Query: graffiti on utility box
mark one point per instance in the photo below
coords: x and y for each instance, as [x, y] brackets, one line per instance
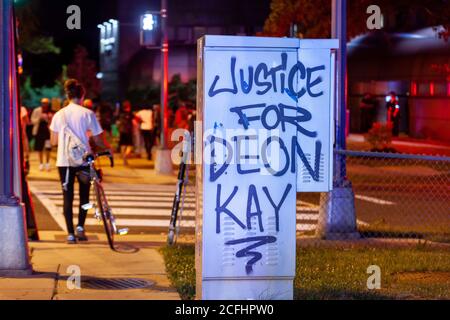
[265, 131]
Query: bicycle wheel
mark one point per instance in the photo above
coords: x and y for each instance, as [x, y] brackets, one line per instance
[105, 213]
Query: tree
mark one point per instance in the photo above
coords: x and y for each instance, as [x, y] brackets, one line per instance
[313, 17]
[30, 39]
[84, 70]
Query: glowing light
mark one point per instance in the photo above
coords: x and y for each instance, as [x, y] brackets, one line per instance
[388, 98]
[148, 22]
[99, 75]
[431, 88]
[414, 88]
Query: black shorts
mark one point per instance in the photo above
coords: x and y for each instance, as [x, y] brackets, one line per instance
[126, 139]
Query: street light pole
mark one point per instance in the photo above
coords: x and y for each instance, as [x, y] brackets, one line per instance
[339, 31]
[163, 163]
[14, 259]
[164, 73]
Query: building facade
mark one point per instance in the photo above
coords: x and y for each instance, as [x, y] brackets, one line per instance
[416, 66]
[127, 66]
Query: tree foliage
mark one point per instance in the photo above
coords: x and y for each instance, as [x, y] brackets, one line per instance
[30, 39]
[313, 17]
[31, 96]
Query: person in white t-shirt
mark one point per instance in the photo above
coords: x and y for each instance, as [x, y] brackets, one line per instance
[84, 124]
[145, 117]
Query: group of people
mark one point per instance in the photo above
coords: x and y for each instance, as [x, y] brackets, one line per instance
[135, 129]
[92, 125]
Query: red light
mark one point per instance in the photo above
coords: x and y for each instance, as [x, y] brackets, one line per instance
[431, 88]
[448, 89]
[414, 88]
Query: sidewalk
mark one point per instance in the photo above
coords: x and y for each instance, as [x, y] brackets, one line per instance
[403, 145]
[139, 171]
[54, 261]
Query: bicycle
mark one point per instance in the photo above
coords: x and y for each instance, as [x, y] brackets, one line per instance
[102, 209]
[180, 193]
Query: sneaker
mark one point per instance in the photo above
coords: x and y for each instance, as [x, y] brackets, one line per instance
[41, 167]
[81, 235]
[71, 239]
[48, 167]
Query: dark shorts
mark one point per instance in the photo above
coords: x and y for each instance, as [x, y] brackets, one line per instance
[39, 144]
[125, 139]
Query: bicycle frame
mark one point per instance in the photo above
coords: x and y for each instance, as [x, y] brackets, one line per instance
[102, 209]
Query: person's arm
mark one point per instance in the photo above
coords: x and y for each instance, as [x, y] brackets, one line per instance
[35, 116]
[101, 143]
[98, 135]
[53, 138]
[54, 129]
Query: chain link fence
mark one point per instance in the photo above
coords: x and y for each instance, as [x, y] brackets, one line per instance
[394, 196]
[399, 196]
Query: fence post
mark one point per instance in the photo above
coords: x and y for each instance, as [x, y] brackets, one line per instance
[13, 240]
[337, 216]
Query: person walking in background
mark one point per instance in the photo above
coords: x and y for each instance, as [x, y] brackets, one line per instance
[145, 117]
[106, 116]
[82, 123]
[41, 118]
[181, 117]
[393, 112]
[87, 103]
[125, 125]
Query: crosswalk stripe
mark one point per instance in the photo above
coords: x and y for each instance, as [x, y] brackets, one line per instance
[148, 206]
[186, 213]
[134, 204]
[143, 223]
[148, 203]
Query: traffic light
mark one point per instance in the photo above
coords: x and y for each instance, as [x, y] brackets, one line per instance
[150, 30]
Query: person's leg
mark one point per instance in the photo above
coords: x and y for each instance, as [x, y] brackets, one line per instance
[84, 198]
[41, 157]
[146, 136]
[151, 140]
[47, 159]
[123, 152]
[67, 196]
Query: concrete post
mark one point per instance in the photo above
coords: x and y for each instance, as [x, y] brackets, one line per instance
[14, 259]
[337, 216]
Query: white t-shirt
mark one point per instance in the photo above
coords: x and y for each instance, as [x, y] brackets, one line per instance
[146, 116]
[81, 121]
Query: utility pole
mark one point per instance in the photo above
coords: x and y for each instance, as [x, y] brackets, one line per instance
[337, 216]
[14, 259]
[163, 163]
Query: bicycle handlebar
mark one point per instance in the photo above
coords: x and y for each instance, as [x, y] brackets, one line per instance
[91, 157]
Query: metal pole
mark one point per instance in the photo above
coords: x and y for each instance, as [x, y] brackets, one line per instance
[337, 216]
[163, 163]
[339, 31]
[7, 195]
[14, 259]
[164, 74]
